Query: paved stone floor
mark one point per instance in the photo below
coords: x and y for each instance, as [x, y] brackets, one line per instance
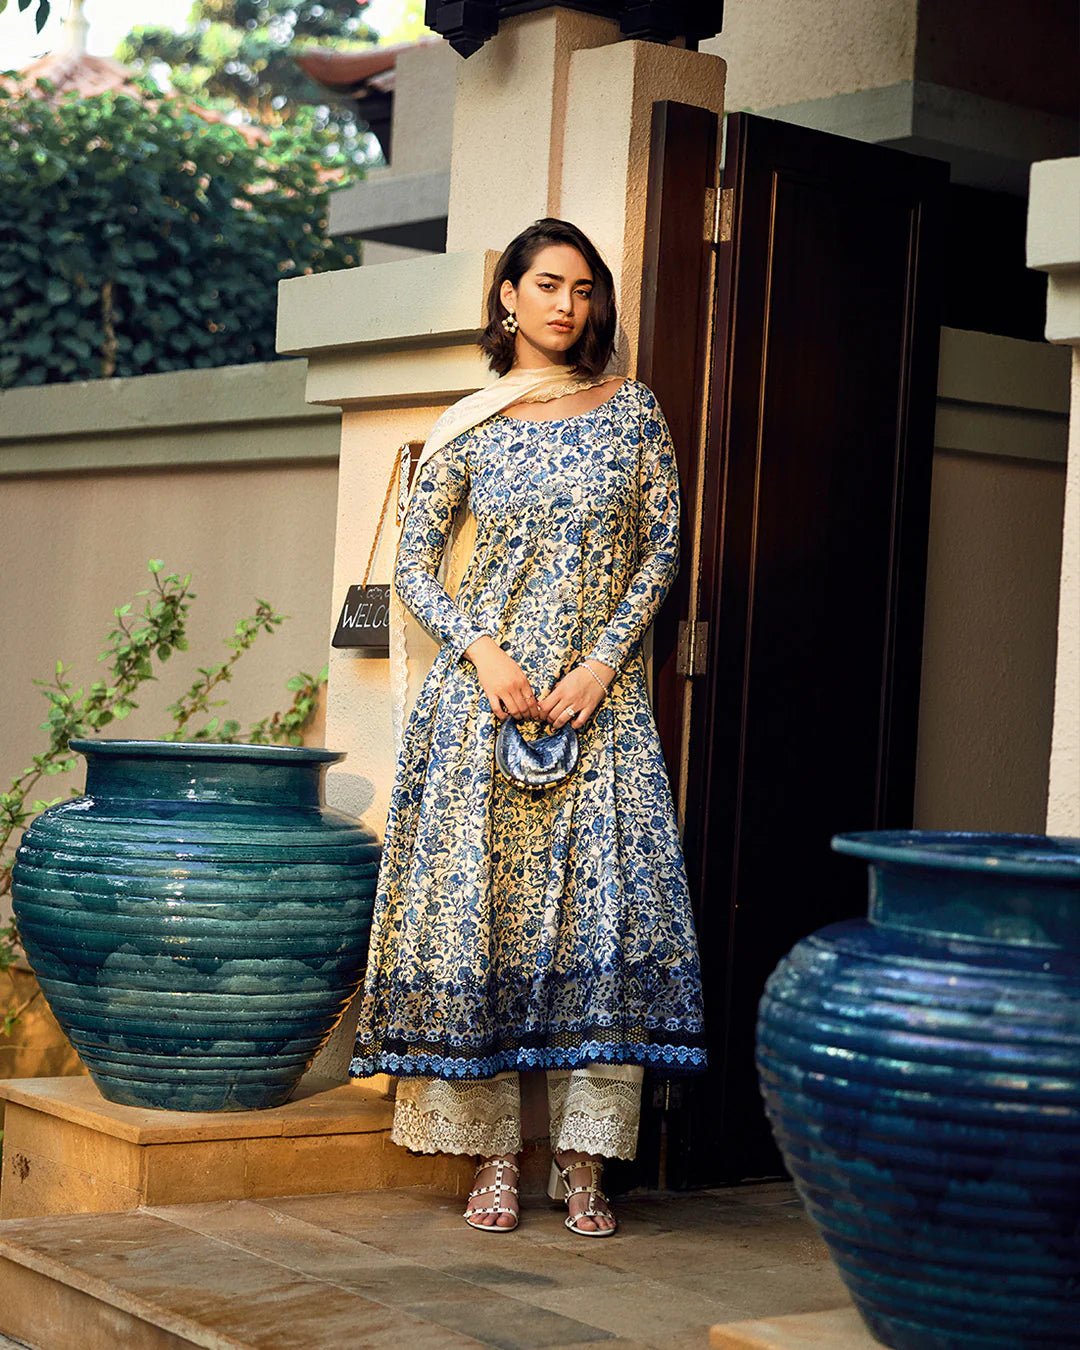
[362, 1271]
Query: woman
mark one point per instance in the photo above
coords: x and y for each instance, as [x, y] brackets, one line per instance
[515, 928]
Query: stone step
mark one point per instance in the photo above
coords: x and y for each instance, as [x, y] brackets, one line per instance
[147, 1280]
[369, 1271]
[69, 1151]
[834, 1329]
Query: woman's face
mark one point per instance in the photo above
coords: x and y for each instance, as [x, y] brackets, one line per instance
[551, 303]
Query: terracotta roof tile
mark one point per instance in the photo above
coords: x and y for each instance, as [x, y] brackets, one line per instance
[345, 70]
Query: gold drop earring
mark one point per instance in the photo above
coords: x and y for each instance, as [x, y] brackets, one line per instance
[510, 323]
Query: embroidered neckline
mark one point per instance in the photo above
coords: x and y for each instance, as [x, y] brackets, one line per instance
[558, 421]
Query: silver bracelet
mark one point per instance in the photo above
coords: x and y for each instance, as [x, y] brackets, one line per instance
[596, 677]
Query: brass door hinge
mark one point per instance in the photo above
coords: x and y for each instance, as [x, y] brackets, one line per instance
[691, 654]
[719, 205]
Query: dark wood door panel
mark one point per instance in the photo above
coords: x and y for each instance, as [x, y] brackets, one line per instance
[676, 319]
[813, 561]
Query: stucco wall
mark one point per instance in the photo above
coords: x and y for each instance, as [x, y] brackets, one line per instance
[990, 633]
[425, 77]
[784, 51]
[990, 637]
[243, 496]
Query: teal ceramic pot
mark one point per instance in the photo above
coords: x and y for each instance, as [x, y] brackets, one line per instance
[921, 1072]
[198, 920]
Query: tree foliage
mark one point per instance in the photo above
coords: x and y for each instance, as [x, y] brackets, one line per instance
[137, 237]
[242, 53]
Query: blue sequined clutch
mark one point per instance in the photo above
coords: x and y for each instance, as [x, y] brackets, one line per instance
[536, 764]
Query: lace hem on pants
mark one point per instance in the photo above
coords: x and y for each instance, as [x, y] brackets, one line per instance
[470, 1115]
[596, 1109]
[592, 1110]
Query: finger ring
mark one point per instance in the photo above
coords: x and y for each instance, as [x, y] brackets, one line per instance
[569, 712]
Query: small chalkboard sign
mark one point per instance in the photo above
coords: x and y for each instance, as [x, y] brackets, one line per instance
[365, 618]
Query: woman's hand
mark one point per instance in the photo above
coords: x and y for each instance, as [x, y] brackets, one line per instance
[578, 690]
[502, 679]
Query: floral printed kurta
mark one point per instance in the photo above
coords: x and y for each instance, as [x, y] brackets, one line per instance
[519, 928]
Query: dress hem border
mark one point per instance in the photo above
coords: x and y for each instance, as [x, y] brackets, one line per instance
[674, 1058]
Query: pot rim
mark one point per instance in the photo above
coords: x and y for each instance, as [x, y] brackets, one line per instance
[988, 852]
[239, 752]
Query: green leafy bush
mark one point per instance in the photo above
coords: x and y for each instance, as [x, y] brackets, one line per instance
[132, 648]
[136, 236]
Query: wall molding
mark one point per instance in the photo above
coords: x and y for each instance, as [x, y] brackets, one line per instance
[1002, 396]
[988, 143]
[235, 415]
[996, 396]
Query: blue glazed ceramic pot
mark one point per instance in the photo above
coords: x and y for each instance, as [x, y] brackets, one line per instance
[198, 920]
[921, 1072]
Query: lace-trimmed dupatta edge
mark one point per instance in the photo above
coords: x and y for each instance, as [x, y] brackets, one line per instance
[412, 648]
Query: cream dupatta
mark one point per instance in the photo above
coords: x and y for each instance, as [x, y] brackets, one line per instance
[412, 648]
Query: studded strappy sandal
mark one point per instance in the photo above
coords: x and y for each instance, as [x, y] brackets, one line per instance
[560, 1179]
[497, 1188]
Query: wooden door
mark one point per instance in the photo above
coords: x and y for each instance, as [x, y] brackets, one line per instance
[790, 333]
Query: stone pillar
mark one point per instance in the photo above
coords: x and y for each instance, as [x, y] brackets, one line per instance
[552, 117]
[510, 123]
[1053, 246]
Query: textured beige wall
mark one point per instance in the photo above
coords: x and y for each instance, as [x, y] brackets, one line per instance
[610, 95]
[425, 76]
[990, 635]
[510, 116]
[358, 706]
[784, 51]
[76, 545]
[787, 51]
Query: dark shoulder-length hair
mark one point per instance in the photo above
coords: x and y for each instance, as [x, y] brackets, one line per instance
[592, 351]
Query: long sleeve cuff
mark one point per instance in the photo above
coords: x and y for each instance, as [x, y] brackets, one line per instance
[464, 636]
[611, 653]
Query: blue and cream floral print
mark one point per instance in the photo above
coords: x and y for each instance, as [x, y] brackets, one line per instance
[547, 929]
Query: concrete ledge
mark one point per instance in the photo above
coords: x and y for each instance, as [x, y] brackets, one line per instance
[1002, 396]
[1053, 235]
[233, 414]
[69, 1151]
[428, 377]
[405, 303]
[392, 208]
[1053, 243]
[988, 142]
[837, 1329]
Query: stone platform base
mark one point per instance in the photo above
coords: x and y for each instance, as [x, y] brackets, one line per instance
[837, 1329]
[399, 1270]
[69, 1151]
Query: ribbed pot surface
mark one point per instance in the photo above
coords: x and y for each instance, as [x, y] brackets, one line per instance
[921, 1073]
[198, 920]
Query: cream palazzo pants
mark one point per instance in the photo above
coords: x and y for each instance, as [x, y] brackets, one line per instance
[592, 1110]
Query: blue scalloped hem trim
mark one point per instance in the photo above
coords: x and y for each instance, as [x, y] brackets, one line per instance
[674, 1058]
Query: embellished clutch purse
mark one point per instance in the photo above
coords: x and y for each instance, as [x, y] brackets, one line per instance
[536, 764]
